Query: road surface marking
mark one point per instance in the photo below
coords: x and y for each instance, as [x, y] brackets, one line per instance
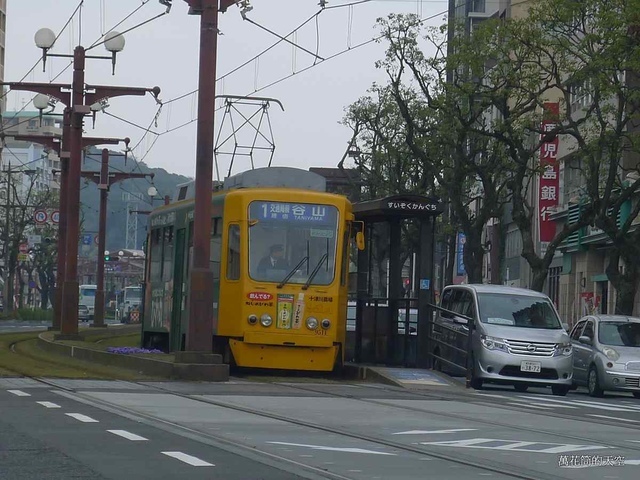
[511, 445]
[19, 393]
[128, 435]
[631, 462]
[82, 418]
[333, 449]
[543, 405]
[49, 404]
[528, 405]
[490, 395]
[613, 418]
[183, 457]
[426, 432]
[582, 403]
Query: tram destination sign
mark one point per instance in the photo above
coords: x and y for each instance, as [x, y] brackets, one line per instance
[294, 212]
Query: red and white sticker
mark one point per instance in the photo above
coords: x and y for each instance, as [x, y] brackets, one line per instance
[259, 296]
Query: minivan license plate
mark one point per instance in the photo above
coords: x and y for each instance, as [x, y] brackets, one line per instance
[530, 367]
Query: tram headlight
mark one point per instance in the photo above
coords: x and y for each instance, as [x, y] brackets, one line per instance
[266, 320]
[252, 319]
[326, 323]
[312, 323]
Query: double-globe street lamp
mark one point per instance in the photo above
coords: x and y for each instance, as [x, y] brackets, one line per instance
[78, 98]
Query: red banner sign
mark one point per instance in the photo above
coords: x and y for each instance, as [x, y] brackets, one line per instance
[549, 191]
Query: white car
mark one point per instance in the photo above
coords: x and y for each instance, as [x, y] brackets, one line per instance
[607, 354]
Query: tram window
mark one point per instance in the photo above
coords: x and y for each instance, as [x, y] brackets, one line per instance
[167, 271]
[233, 253]
[216, 246]
[156, 255]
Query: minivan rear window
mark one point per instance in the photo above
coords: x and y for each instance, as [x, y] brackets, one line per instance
[517, 311]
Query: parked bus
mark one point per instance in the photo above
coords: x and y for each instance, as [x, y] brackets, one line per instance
[279, 254]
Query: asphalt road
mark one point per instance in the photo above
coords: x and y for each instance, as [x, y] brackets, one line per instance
[255, 430]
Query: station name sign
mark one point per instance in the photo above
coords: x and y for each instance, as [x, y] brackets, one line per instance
[411, 206]
[163, 219]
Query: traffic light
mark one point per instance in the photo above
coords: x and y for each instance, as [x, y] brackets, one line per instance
[111, 258]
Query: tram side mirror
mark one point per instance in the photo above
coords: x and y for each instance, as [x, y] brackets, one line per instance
[360, 240]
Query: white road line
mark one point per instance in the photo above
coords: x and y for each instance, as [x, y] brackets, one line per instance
[582, 403]
[528, 405]
[490, 395]
[128, 435]
[631, 462]
[543, 405]
[82, 418]
[191, 460]
[613, 418]
[334, 449]
[19, 393]
[426, 432]
[49, 404]
[516, 446]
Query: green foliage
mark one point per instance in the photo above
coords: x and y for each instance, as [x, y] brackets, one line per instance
[33, 314]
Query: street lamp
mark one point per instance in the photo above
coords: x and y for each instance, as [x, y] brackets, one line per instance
[114, 43]
[45, 38]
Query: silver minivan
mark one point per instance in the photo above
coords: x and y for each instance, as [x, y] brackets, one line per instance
[517, 337]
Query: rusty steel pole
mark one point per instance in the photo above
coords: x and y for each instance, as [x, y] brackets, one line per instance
[70, 293]
[103, 186]
[62, 220]
[200, 328]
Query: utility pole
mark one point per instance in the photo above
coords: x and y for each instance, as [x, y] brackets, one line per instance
[104, 180]
[80, 98]
[200, 329]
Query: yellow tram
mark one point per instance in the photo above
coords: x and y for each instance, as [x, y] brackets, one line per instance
[280, 255]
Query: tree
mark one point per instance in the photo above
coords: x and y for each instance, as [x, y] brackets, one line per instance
[595, 46]
[439, 122]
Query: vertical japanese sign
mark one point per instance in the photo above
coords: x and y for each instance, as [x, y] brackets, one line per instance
[550, 178]
[460, 254]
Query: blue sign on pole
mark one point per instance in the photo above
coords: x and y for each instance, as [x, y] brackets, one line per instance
[460, 253]
[87, 238]
[425, 283]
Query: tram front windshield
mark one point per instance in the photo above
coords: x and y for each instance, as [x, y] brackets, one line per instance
[292, 242]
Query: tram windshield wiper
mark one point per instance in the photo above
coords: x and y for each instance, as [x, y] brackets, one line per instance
[315, 271]
[294, 270]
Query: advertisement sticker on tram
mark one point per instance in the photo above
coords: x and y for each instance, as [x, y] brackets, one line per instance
[285, 311]
[298, 312]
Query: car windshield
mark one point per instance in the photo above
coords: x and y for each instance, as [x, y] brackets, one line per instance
[619, 334]
[88, 292]
[517, 311]
[133, 294]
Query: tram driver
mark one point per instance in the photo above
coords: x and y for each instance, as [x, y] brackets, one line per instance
[273, 261]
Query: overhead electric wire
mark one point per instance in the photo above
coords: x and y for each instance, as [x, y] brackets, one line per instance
[144, 2]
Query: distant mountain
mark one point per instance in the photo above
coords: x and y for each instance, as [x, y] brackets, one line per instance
[132, 193]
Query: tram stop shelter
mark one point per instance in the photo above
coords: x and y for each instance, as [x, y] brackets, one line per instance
[392, 324]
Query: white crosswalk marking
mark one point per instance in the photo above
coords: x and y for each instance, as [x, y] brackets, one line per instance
[514, 446]
[538, 407]
[49, 404]
[19, 393]
[545, 406]
[191, 460]
[582, 403]
[82, 418]
[128, 435]
[612, 418]
[425, 432]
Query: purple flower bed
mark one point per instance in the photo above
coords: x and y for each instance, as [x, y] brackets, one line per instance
[130, 350]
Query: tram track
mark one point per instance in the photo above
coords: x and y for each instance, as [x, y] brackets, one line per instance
[483, 465]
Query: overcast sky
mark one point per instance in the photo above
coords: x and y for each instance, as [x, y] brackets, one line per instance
[165, 53]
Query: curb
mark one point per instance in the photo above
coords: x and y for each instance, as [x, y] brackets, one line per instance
[210, 372]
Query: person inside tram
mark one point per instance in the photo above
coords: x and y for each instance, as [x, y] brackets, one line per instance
[273, 261]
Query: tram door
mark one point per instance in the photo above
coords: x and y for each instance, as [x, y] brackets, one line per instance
[178, 291]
